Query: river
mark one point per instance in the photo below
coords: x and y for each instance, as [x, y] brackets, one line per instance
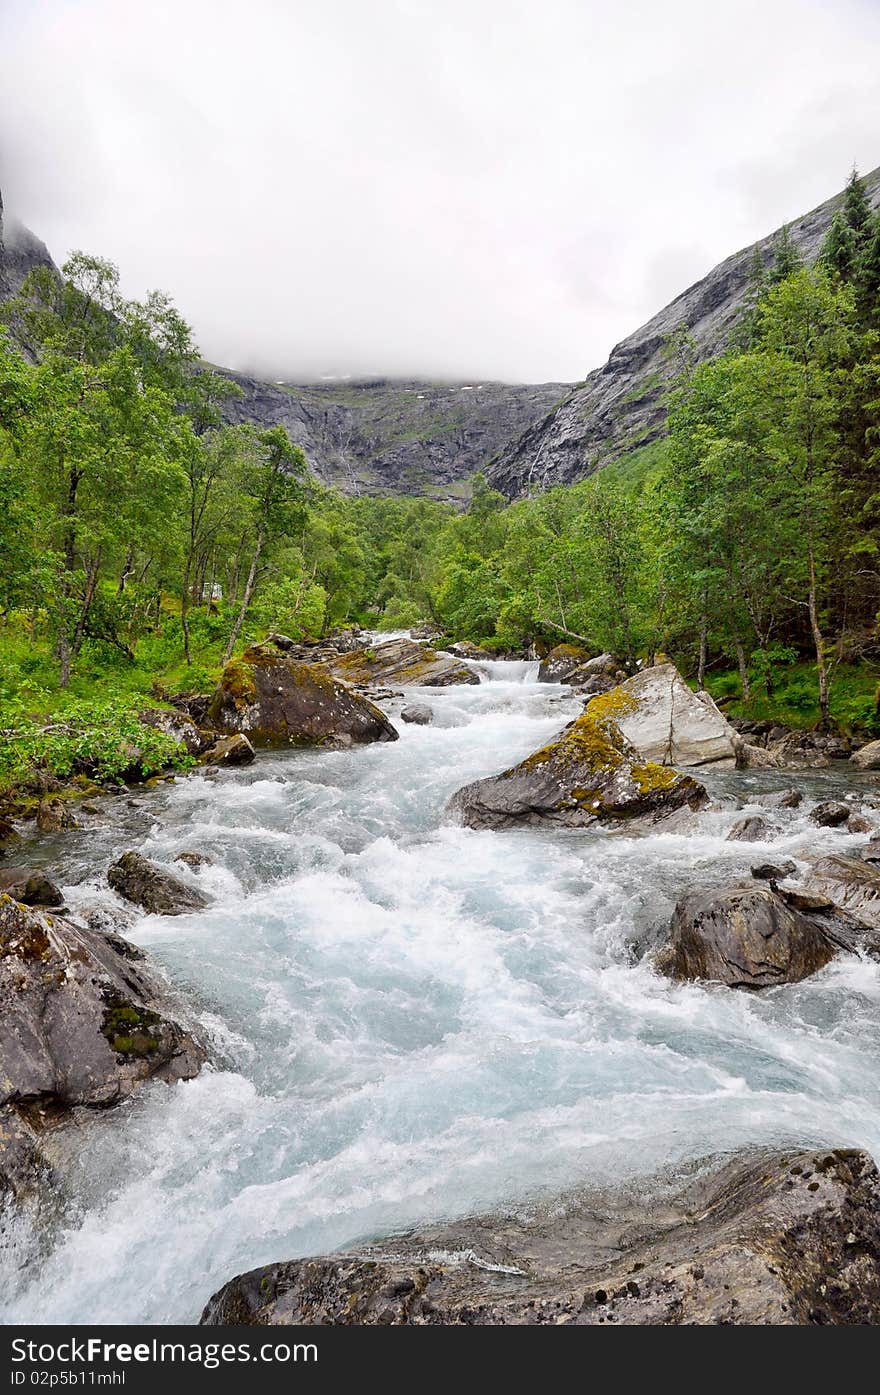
[415, 1021]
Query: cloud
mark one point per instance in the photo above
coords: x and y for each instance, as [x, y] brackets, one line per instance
[483, 189]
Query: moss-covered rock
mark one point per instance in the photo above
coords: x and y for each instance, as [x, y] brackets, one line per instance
[405, 662]
[275, 700]
[590, 773]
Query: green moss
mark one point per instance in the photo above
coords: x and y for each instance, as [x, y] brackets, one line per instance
[127, 1028]
[238, 680]
[594, 741]
[651, 778]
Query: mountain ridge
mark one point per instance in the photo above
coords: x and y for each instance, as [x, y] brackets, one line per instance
[619, 406]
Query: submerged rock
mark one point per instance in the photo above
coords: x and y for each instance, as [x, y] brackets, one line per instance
[275, 701]
[417, 714]
[769, 1238]
[668, 723]
[136, 879]
[752, 936]
[402, 661]
[852, 882]
[752, 829]
[590, 773]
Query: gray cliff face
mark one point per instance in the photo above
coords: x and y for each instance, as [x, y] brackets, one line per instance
[620, 407]
[390, 436]
[20, 253]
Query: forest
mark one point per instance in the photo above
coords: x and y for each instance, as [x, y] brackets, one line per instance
[142, 539]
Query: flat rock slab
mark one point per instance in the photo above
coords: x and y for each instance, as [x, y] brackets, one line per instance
[405, 662]
[779, 1238]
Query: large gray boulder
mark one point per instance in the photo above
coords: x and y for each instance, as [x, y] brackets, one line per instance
[867, 757]
[133, 877]
[83, 1023]
[668, 723]
[403, 662]
[769, 1238]
[851, 882]
[588, 774]
[275, 700]
[754, 936]
[562, 661]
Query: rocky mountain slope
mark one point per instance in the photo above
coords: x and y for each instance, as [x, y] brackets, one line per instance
[620, 407]
[386, 436]
[20, 252]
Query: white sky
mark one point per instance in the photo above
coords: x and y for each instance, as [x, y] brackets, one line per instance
[468, 188]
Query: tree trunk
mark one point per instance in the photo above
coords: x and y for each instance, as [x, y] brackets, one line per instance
[743, 669]
[89, 596]
[701, 665]
[816, 631]
[126, 571]
[245, 601]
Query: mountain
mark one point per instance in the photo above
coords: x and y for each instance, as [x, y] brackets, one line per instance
[387, 436]
[20, 252]
[620, 407]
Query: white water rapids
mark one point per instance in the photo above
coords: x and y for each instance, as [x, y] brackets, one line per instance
[416, 1021]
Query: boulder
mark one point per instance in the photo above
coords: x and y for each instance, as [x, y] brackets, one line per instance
[867, 757]
[831, 814]
[465, 649]
[178, 725]
[231, 750]
[30, 886]
[773, 871]
[767, 1238]
[857, 823]
[871, 851]
[193, 859]
[418, 714]
[590, 773]
[851, 882]
[405, 662]
[562, 661]
[751, 936]
[53, 816]
[277, 701]
[749, 757]
[671, 725]
[752, 829]
[136, 879]
[778, 799]
[797, 750]
[83, 1024]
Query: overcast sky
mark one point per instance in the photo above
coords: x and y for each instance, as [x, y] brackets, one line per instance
[466, 188]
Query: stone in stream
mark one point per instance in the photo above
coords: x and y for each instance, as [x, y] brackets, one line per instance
[752, 829]
[136, 879]
[871, 851]
[278, 701]
[562, 661]
[231, 750]
[83, 1023]
[590, 773]
[767, 1238]
[857, 823]
[668, 723]
[752, 936]
[417, 714]
[852, 882]
[779, 799]
[831, 814]
[402, 661]
[30, 886]
[180, 727]
[773, 871]
[867, 757]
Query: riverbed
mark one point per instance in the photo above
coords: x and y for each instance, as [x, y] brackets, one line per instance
[413, 1021]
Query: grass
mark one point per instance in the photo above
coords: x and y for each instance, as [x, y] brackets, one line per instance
[794, 701]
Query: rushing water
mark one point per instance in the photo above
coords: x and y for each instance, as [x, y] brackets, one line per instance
[415, 1020]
